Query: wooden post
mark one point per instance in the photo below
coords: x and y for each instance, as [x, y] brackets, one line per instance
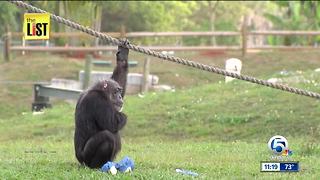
[7, 44]
[122, 32]
[212, 15]
[22, 37]
[87, 71]
[47, 44]
[244, 36]
[23, 45]
[146, 70]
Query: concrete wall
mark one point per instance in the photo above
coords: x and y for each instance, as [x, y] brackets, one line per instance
[134, 80]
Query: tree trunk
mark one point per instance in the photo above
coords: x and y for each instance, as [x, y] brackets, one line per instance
[97, 21]
[212, 6]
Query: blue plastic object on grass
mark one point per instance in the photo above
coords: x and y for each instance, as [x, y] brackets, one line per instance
[126, 164]
[107, 166]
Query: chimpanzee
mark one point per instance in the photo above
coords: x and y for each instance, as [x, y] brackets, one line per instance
[98, 116]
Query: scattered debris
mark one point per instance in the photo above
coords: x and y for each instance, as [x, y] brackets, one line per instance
[284, 73]
[37, 112]
[186, 172]
[168, 52]
[162, 88]
[274, 80]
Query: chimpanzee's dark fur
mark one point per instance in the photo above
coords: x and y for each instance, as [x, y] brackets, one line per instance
[98, 118]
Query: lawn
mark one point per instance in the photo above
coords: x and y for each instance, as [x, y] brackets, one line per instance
[215, 129]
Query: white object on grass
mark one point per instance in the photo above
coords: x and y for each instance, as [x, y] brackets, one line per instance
[37, 113]
[186, 172]
[274, 80]
[113, 170]
[128, 169]
[233, 65]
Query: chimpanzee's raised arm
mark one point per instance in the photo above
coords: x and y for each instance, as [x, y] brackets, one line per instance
[120, 72]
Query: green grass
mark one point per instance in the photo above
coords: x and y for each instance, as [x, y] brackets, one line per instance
[195, 129]
[215, 129]
[155, 159]
[42, 148]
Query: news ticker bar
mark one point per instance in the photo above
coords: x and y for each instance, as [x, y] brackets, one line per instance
[276, 166]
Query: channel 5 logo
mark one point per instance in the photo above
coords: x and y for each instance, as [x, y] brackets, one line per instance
[279, 146]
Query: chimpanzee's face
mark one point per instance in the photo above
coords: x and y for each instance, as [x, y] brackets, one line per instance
[116, 99]
[114, 92]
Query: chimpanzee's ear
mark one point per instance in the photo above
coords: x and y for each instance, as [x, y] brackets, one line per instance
[105, 85]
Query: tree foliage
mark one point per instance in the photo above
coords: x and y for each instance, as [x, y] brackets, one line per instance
[295, 15]
[108, 16]
[8, 16]
[146, 15]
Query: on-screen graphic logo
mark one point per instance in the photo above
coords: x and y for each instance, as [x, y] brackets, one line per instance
[36, 26]
[279, 146]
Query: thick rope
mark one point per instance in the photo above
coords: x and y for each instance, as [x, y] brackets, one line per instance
[204, 67]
